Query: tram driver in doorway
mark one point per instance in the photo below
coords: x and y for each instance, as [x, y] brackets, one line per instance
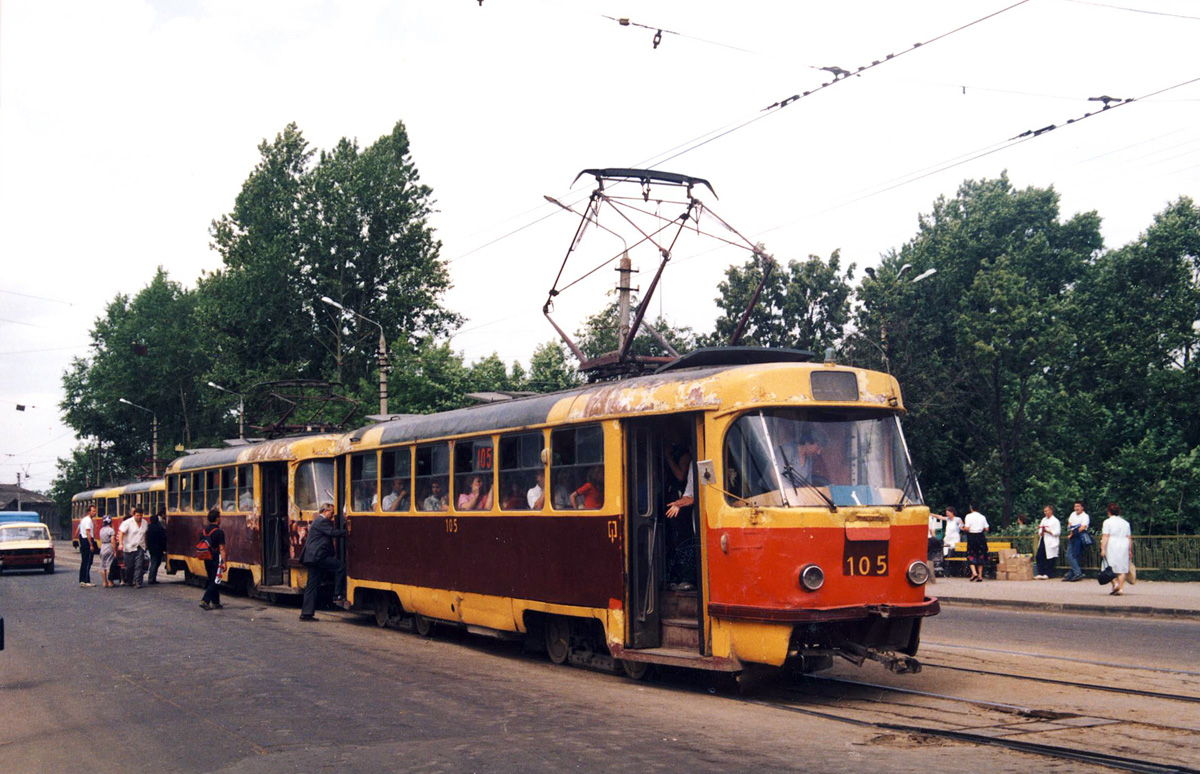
[681, 532]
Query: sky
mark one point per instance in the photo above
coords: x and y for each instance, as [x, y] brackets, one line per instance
[127, 126]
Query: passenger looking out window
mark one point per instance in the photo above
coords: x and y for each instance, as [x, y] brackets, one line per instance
[577, 469]
[397, 470]
[473, 464]
[432, 467]
[521, 470]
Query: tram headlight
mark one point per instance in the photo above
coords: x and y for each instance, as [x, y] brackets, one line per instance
[812, 577]
[918, 573]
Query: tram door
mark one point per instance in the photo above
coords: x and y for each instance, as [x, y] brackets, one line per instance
[273, 479]
[645, 559]
[660, 452]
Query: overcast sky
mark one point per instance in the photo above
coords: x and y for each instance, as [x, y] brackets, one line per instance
[127, 126]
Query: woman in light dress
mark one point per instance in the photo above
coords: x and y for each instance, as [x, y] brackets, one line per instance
[108, 550]
[1116, 544]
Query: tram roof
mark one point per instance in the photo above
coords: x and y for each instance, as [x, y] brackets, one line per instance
[686, 389]
[279, 449]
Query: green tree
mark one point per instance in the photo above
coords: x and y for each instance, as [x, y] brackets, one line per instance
[804, 305]
[149, 351]
[977, 342]
[600, 335]
[552, 368]
[351, 226]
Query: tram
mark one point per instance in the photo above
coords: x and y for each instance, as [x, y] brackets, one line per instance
[266, 492]
[546, 516]
[117, 502]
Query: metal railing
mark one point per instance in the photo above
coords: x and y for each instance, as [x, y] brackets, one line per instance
[1150, 552]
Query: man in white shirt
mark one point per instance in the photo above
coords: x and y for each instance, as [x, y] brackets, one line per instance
[536, 496]
[86, 536]
[1077, 524]
[131, 540]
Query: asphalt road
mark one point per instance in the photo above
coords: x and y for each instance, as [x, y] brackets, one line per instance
[108, 680]
[1154, 642]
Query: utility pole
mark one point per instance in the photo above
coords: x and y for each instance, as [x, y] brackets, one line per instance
[18, 490]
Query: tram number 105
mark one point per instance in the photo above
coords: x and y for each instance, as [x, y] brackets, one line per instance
[865, 558]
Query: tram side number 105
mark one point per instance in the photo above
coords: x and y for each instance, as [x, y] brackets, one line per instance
[865, 558]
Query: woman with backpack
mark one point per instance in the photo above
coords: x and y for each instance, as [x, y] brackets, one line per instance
[212, 544]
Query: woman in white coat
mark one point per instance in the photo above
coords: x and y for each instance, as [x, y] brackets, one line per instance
[1049, 535]
[1116, 544]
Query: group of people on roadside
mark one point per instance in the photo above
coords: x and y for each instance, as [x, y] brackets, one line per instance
[1116, 546]
[138, 542]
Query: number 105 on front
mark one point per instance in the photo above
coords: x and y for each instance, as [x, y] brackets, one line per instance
[868, 558]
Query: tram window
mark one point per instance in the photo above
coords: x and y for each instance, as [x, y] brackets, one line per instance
[433, 477]
[577, 468]
[314, 484]
[212, 488]
[397, 472]
[521, 468]
[228, 489]
[364, 481]
[185, 493]
[474, 461]
[198, 492]
[112, 506]
[245, 488]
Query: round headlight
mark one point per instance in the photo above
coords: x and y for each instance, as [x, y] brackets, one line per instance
[812, 577]
[918, 573]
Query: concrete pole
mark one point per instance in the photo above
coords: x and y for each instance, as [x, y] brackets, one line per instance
[383, 395]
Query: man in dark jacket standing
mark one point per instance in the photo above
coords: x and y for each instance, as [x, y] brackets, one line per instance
[156, 542]
[320, 558]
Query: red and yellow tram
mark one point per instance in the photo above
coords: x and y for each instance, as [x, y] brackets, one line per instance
[547, 516]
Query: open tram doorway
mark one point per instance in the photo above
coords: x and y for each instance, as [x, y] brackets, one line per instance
[274, 482]
[663, 552]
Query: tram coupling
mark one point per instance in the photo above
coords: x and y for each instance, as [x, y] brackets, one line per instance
[857, 654]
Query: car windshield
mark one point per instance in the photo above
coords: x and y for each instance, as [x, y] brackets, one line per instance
[818, 457]
[24, 532]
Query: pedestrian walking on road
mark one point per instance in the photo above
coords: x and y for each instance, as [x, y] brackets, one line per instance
[1078, 539]
[321, 559]
[108, 550]
[214, 565]
[1116, 544]
[156, 542]
[977, 528]
[87, 541]
[131, 541]
[1049, 535]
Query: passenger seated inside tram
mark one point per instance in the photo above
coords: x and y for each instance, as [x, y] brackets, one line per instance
[397, 498]
[363, 496]
[536, 496]
[477, 497]
[514, 500]
[591, 495]
[437, 499]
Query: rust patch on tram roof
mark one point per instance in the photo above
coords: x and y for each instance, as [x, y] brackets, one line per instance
[646, 396]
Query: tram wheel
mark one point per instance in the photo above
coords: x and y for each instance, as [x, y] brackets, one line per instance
[558, 639]
[386, 609]
[422, 625]
[636, 670]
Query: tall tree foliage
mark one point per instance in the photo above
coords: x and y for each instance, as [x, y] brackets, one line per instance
[350, 225]
[977, 342]
[803, 305]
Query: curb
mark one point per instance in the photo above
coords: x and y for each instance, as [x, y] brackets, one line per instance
[1138, 611]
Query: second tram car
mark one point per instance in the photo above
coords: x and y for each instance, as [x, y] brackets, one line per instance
[267, 492]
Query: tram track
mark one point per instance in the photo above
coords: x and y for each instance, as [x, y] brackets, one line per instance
[1108, 760]
[992, 736]
[1070, 683]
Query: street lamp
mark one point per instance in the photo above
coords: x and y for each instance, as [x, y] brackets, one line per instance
[154, 458]
[883, 320]
[383, 402]
[241, 408]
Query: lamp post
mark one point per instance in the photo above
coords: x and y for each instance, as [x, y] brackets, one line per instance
[154, 452]
[241, 408]
[882, 346]
[383, 396]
